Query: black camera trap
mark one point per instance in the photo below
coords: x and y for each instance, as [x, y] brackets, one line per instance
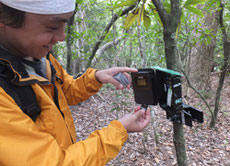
[161, 86]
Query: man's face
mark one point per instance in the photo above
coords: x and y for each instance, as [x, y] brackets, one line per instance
[37, 35]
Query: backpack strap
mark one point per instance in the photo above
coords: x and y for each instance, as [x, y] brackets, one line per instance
[24, 96]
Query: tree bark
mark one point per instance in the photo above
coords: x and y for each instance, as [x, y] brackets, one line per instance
[69, 41]
[80, 28]
[202, 54]
[141, 46]
[170, 23]
[226, 44]
[142, 54]
[108, 45]
[55, 51]
[141, 40]
[128, 60]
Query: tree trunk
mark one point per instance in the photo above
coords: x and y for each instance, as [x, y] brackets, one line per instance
[55, 51]
[202, 55]
[129, 59]
[170, 23]
[69, 41]
[141, 46]
[226, 44]
[80, 28]
[171, 60]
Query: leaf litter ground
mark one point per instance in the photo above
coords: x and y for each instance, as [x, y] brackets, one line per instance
[204, 146]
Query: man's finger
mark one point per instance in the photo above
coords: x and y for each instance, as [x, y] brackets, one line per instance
[124, 69]
[139, 113]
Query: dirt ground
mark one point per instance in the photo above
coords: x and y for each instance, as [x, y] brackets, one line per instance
[204, 146]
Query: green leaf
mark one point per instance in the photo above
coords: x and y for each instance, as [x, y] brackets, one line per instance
[120, 12]
[129, 20]
[152, 6]
[139, 18]
[178, 30]
[147, 20]
[195, 10]
[156, 15]
[140, 15]
[113, 109]
[194, 2]
[125, 3]
[211, 3]
[79, 1]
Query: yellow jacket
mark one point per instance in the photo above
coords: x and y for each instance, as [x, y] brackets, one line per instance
[49, 141]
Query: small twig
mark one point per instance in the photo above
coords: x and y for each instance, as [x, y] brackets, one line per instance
[101, 96]
[94, 99]
[153, 116]
[143, 143]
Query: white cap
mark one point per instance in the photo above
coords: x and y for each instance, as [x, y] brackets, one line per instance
[42, 6]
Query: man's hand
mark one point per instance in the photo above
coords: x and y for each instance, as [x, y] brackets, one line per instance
[106, 75]
[136, 121]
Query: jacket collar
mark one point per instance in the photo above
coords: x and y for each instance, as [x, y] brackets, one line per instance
[21, 76]
[14, 62]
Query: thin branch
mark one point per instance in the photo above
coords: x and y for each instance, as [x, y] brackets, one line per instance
[201, 96]
[108, 45]
[114, 28]
[106, 30]
[161, 11]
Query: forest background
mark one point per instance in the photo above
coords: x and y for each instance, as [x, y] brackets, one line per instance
[189, 36]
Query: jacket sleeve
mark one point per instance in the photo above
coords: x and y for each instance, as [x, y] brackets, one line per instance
[21, 143]
[80, 89]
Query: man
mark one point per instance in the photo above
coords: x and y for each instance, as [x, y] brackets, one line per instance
[28, 31]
